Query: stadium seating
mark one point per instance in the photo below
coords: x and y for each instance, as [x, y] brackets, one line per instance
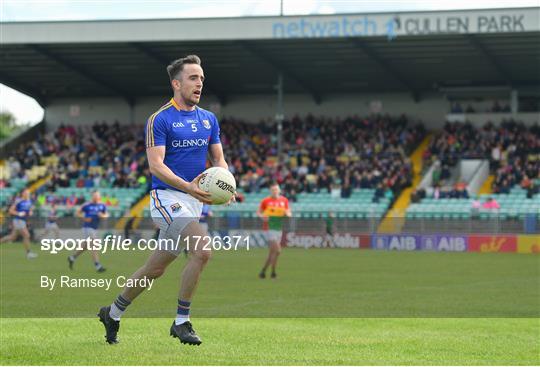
[8, 192]
[315, 205]
[514, 205]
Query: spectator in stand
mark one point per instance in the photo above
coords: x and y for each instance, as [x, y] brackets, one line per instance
[496, 155]
[532, 190]
[324, 182]
[88, 182]
[71, 200]
[445, 173]
[436, 174]
[346, 190]
[437, 192]
[120, 181]
[459, 191]
[525, 182]
[491, 204]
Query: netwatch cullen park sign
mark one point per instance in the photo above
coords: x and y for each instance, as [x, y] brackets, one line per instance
[404, 25]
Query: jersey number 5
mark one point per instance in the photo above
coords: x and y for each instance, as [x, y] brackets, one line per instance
[193, 128]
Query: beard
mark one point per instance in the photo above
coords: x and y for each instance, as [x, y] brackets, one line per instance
[190, 99]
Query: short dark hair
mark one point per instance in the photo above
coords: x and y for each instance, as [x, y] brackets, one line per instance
[177, 65]
[273, 183]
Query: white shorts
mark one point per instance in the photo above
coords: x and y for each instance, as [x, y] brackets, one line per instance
[172, 211]
[19, 224]
[273, 235]
[89, 232]
[52, 226]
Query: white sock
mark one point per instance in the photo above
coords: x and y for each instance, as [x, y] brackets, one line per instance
[180, 319]
[115, 312]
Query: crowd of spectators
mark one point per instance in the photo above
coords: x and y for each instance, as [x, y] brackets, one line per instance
[323, 154]
[98, 156]
[319, 154]
[512, 148]
[519, 171]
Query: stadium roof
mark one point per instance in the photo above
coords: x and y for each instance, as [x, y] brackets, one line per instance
[319, 55]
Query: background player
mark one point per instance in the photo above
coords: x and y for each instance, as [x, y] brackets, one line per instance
[91, 213]
[272, 210]
[51, 225]
[330, 231]
[21, 209]
[179, 137]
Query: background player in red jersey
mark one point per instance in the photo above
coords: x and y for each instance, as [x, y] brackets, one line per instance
[272, 210]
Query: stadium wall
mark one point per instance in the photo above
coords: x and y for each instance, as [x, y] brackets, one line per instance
[432, 109]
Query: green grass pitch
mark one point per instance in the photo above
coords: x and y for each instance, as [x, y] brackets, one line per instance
[328, 306]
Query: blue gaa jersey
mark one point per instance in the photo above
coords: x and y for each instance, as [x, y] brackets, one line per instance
[186, 136]
[91, 210]
[23, 206]
[204, 214]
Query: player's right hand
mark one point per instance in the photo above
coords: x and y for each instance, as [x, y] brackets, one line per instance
[193, 190]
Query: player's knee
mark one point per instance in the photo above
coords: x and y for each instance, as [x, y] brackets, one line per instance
[154, 272]
[203, 255]
[276, 248]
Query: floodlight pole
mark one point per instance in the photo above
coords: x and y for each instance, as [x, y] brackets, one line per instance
[514, 101]
[279, 115]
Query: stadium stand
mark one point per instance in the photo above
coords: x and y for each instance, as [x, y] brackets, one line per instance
[10, 188]
[514, 154]
[356, 177]
[354, 152]
[77, 161]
